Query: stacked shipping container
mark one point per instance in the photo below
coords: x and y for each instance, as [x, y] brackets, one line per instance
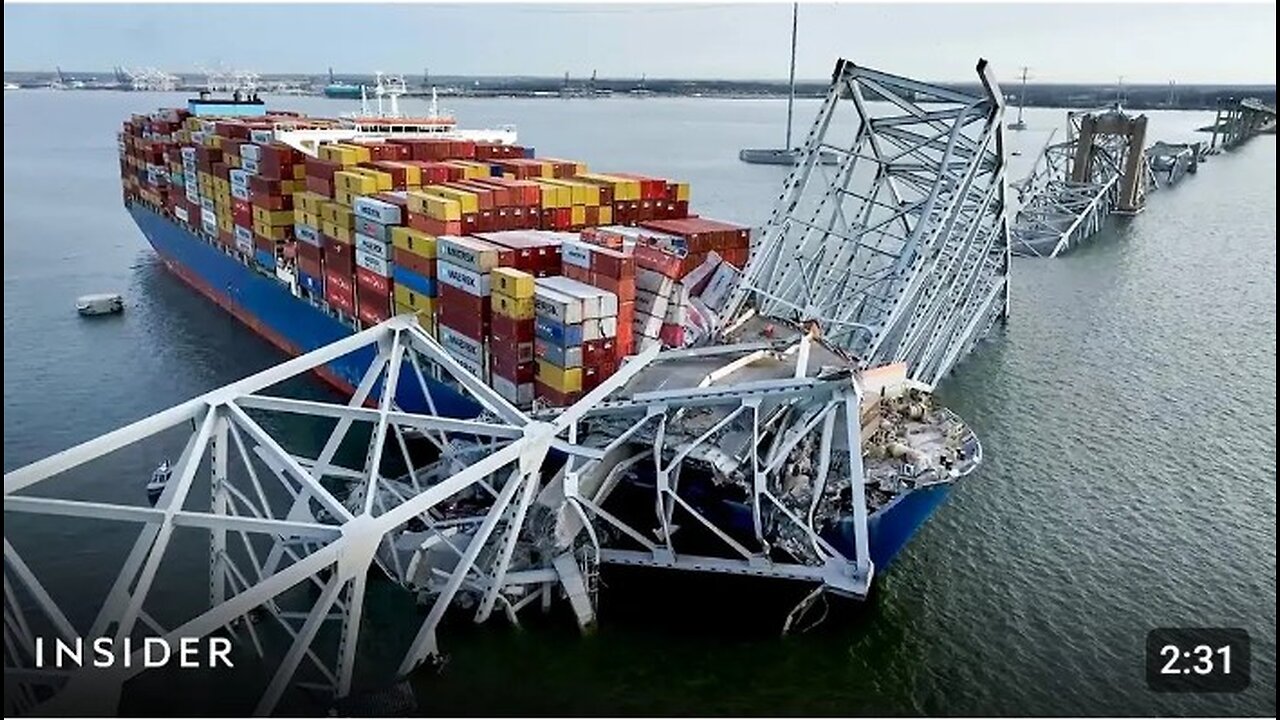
[531, 272]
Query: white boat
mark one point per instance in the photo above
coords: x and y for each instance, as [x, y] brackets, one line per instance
[100, 304]
[12, 86]
[159, 480]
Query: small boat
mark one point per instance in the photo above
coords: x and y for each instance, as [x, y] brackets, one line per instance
[159, 481]
[100, 304]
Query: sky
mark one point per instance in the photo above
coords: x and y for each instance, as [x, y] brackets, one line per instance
[1092, 43]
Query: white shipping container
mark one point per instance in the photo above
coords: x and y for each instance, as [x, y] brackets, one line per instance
[514, 394]
[609, 326]
[307, 234]
[576, 253]
[244, 233]
[189, 153]
[182, 214]
[554, 304]
[249, 151]
[377, 210]
[460, 345]
[462, 278]
[373, 263]
[596, 302]
[650, 304]
[373, 229]
[240, 193]
[208, 216]
[250, 165]
[262, 137]
[722, 284]
[244, 246]
[591, 330]
[207, 203]
[653, 282]
[238, 176]
[471, 366]
[373, 246]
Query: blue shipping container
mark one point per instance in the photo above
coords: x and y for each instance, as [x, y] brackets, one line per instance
[557, 333]
[264, 258]
[415, 282]
[313, 285]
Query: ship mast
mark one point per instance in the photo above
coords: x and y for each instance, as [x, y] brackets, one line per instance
[791, 97]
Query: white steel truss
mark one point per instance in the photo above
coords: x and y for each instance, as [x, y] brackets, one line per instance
[277, 523]
[900, 252]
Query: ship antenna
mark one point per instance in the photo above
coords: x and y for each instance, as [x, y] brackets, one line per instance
[364, 100]
[435, 106]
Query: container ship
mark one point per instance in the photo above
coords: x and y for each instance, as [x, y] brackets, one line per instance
[538, 275]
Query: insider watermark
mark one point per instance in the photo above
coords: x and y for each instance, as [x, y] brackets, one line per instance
[151, 652]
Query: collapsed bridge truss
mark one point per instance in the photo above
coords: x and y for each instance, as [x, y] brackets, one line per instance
[775, 453]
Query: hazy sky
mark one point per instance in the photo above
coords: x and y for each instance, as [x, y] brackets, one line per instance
[1188, 43]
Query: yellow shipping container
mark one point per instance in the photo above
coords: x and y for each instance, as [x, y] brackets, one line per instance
[336, 231]
[274, 232]
[470, 170]
[548, 170]
[345, 197]
[338, 214]
[564, 380]
[355, 182]
[309, 201]
[434, 206]
[226, 225]
[415, 302]
[302, 217]
[382, 179]
[682, 191]
[515, 284]
[469, 202]
[580, 193]
[412, 174]
[414, 241]
[578, 215]
[425, 319]
[272, 217]
[507, 306]
[606, 214]
[623, 188]
[344, 155]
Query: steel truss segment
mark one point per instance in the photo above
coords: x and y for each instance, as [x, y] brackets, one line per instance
[901, 231]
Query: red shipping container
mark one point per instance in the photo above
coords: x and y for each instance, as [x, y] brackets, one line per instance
[623, 343]
[504, 361]
[613, 263]
[338, 283]
[373, 282]
[431, 226]
[672, 335]
[510, 330]
[470, 224]
[553, 396]
[271, 202]
[320, 186]
[464, 312]
[413, 262]
[307, 251]
[371, 314]
[598, 353]
[322, 169]
[392, 168]
[573, 272]
[344, 304]
[310, 266]
[339, 256]
[659, 260]
[624, 288]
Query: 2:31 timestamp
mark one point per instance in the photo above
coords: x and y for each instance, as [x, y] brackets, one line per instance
[1199, 660]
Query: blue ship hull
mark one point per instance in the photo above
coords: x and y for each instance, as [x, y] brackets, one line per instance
[297, 326]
